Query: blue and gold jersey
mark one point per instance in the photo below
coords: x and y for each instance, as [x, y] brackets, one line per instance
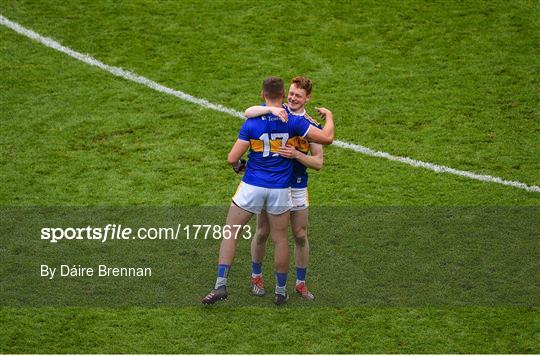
[300, 176]
[266, 134]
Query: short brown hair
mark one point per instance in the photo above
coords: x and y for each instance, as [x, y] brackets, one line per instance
[303, 83]
[273, 88]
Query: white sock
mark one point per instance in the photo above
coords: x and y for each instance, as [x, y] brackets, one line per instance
[281, 290]
[299, 281]
[220, 281]
[253, 275]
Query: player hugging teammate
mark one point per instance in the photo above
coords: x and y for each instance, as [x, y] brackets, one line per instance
[279, 138]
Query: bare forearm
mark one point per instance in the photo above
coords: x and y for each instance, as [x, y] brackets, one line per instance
[313, 162]
[237, 151]
[326, 135]
[233, 158]
[256, 111]
[328, 128]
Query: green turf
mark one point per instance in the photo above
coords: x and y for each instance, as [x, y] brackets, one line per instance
[399, 257]
[452, 83]
[267, 330]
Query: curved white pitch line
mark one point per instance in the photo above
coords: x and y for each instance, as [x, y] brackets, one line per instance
[119, 72]
[435, 167]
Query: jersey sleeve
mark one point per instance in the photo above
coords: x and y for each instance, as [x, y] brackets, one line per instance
[245, 131]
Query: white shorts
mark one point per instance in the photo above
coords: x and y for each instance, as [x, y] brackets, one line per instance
[254, 199]
[300, 199]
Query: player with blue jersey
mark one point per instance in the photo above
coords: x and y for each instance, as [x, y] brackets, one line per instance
[298, 151]
[266, 183]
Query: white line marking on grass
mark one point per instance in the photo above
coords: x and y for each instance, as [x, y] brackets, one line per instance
[435, 167]
[119, 72]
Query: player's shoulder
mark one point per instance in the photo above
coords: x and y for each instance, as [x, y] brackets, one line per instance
[312, 121]
[251, 124]
[257, 119]
[261, 122]
[250, 121]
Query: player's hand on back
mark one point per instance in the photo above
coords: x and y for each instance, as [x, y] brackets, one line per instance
[288, 152]
[281, 113]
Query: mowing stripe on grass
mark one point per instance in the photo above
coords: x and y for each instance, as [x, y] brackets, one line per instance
[217, 107]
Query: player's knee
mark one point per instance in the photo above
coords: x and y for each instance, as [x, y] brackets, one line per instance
[261, 236]
[300, 239]
[299, 231]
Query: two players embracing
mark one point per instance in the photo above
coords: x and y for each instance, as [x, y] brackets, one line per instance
[274, 186]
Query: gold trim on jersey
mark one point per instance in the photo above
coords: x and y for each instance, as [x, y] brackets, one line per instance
[258, 145]
[312, 120]
[299, 143]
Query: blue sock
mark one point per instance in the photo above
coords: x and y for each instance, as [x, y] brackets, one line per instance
[223, 271]
[301, 274]
[281, 279]
[256, 268]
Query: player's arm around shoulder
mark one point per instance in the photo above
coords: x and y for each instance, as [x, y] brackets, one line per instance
[326, 135]
[257, 111]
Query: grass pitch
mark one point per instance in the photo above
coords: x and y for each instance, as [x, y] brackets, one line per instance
[450, 83]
